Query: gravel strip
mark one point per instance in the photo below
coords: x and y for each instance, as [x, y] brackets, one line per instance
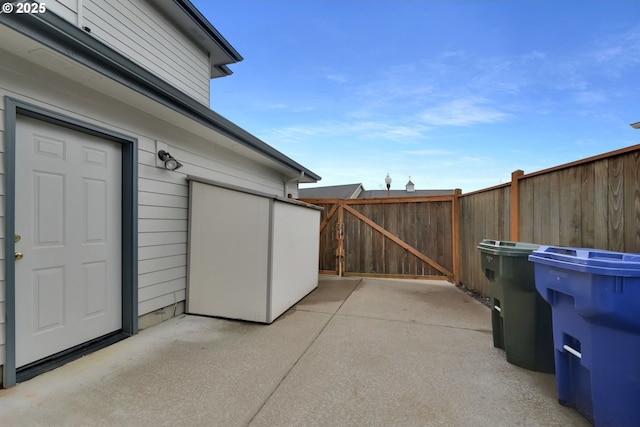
[478, 296]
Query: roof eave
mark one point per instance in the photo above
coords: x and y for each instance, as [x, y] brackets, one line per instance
[192, 22]
[65, 38]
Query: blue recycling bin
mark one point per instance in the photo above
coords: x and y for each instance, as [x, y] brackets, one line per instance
[595, 304]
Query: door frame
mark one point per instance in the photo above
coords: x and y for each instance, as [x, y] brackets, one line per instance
[15, 107]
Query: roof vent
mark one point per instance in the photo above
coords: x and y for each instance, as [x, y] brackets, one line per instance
[410, 187]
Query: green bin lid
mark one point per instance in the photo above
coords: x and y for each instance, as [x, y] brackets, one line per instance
[503, 247]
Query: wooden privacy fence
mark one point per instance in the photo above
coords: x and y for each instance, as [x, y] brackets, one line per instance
[591, 203]
[389, 237]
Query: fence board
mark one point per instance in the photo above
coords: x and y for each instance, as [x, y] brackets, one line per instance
[573, 206]
[552, 235]
[587, 200]
[391, 224]
[632, 202]
[601, 204]
[527, 210]
[328, 245]
[541, 209]
[616, 204]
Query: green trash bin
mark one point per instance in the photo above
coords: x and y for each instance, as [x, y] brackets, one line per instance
[520, 318]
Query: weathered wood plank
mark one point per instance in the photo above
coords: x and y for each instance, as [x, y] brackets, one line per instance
[601, 204]
[506, 231]
[616, 205]
[527, 210]
[421, 236]
[570, 221]
[455, 236]
[632, 202]
[555, 199]
[445, 244]
[540, 217]
[327, 245]
[587, 198]
[432, 249]
[411, 236]
[499, 212]
[367, 251]
[328, 216]
[392, 251]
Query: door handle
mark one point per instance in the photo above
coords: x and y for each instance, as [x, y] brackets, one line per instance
[19, 255]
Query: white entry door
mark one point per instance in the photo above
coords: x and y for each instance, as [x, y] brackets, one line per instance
[68, 221]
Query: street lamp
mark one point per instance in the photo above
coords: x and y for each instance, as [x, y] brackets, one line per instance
[635, 125]
[387, 181]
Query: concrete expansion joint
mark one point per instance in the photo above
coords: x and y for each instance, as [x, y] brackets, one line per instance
[315, 338]
[414, 322]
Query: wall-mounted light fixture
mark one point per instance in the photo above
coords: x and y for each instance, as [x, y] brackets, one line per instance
[170, 163]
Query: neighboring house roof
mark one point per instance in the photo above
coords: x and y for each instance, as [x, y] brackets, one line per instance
[72, 42]
[357, 191]
[368, 194]
[347, 191]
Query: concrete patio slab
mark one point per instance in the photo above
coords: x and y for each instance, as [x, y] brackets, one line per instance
[421, 301]
[353, 352]
[330, 295]
[194, 371]
[372, 372]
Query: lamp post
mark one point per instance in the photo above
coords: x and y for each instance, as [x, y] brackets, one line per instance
[387, 181]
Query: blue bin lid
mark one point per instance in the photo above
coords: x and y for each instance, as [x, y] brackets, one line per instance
[503, 247]
[596, 261]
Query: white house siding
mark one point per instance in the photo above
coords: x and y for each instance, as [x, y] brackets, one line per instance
[146, 37]
[67, 9]
[163, 195]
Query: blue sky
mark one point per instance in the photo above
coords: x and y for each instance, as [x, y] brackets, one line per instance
[455, 94]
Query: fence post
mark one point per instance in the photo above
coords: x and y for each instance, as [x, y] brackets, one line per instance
[456, 244]
[340, 238]
[515, 204]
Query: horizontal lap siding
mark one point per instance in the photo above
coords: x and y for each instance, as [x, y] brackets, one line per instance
[162, 233]
[162, 195]
[67, 9]
[143, 35]
[163, 217]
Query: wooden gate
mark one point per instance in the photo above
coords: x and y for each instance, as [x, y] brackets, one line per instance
[405, 237]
